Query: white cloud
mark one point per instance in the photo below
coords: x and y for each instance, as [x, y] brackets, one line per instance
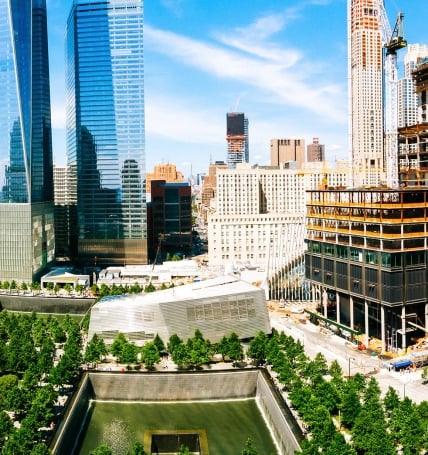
[58, 115]
[175, 6]
[185, 123]
[281, 79]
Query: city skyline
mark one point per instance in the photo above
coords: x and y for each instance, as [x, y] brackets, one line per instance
[285, 68]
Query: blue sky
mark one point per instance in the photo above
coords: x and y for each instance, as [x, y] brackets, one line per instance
[281, 62]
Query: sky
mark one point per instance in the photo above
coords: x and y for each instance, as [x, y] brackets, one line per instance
[281, 62]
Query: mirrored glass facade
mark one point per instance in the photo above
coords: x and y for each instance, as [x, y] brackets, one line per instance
[26, 173]
[105, 129]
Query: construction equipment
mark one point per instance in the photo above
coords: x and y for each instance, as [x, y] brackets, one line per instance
[393, 41]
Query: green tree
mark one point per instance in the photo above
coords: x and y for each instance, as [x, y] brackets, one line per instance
[13, 285]
[249, 449]
[350, 405]
[67, 288]
[137, 449]
[257, 348]
[174, 341]
[46, 356]
[6, 427]
[7, 383]
[129, 353]
[391, 400]
[150, 354]
[79, 288]
[118, 344]
[135, 289]
[222, 347]
[42, 406]
[40, 449]
[101, 450]
[149, 288]
[94, 289]
[199, 349]
[180, 355]
[234, 347]
[95, 350]
[35, 287]
[159, 344]
[316, 367]
[184, 450]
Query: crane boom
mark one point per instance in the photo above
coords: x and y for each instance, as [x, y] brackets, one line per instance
[397, 40]
[392, 44]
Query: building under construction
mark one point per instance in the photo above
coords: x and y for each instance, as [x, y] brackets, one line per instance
[367, 245]
[413, 139]
[367, 259]
[237, 139]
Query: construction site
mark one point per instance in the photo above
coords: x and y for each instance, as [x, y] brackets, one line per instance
[367, 245]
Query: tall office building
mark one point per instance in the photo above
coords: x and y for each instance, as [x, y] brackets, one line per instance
[105, 129]
[27, 243]
[366, 91]
[237, 139]
[287, 151]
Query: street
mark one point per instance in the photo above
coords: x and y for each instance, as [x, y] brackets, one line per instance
[352, 361]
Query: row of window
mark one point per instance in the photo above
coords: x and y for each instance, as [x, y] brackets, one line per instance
[384, 259]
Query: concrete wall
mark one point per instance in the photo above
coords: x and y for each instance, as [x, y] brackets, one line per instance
[176, 386]
[39, 304]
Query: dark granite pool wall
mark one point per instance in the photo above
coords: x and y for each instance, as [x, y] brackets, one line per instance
[285, 431]
[68, 431]
[39, 304]
[176, 386]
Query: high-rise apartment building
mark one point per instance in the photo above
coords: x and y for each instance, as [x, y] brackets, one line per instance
[105, 129]
[238, 150]
[287, 151]
[366, 91]
[316, 151]
[407, 96]
[27, 243]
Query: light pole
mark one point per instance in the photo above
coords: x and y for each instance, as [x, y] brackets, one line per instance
[349, 366]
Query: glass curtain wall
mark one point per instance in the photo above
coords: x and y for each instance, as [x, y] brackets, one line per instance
[27, 242]
[105, 129]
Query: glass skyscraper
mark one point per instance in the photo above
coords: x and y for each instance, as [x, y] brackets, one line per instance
[105, 130]
[27, 243]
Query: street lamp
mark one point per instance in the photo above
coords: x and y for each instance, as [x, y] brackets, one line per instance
[349, 366]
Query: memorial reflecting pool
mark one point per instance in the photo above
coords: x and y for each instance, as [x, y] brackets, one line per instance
[226, 424]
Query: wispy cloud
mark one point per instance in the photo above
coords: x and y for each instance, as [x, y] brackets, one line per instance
[275, 72]
[185, 123]
[175, 6]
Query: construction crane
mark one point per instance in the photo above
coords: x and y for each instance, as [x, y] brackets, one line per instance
[393, 41]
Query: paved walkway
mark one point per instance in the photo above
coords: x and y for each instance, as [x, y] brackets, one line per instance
[351, 360]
